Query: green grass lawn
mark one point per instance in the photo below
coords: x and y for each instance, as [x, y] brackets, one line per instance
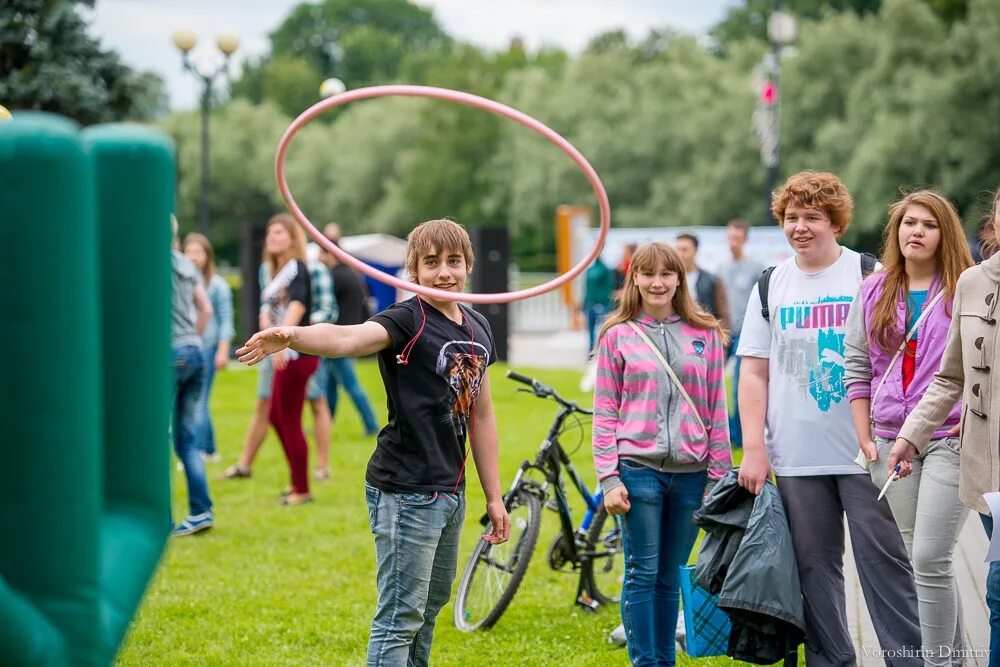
[274, 585]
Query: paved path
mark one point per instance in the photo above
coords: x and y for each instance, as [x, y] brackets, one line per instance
[970, 572]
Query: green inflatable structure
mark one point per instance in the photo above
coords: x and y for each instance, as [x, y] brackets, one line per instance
[86, 375]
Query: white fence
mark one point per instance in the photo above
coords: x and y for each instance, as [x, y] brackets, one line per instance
[544, 313]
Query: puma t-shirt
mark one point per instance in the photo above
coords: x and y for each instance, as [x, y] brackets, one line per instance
[430, 398]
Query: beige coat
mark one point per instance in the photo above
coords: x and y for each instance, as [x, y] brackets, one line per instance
[970, 369]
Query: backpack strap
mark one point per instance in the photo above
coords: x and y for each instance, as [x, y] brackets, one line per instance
[868, 264]
[762, 283]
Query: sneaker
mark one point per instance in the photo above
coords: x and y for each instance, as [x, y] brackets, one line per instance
[214, 457]
[322, 474]
[236, 471]
[193, 524]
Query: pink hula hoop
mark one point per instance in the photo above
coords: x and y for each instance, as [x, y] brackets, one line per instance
[467, 99]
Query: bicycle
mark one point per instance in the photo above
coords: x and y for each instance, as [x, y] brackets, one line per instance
[494, 572]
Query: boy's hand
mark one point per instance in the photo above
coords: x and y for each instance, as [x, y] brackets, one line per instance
[616, 501]
[870, 450]
[500, 530]
[754, 471]
[264, 343]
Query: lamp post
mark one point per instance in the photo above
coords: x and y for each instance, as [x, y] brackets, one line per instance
[330, 87]
[185, 41]
[781, 31]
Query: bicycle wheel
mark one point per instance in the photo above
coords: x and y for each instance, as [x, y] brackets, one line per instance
[604, 571]
[494, 572]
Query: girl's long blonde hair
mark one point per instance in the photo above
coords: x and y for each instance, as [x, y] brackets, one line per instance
[298, 241]
[650, 257]
[206, 245]
[952, 257]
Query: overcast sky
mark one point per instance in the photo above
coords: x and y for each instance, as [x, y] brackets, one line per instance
[140, 30]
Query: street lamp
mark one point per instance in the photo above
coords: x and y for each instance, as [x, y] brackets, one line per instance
[330, 87]
[185, 41]
[781, 31]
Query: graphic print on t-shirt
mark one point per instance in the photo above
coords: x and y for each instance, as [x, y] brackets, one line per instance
[814, 359]
[462, 364]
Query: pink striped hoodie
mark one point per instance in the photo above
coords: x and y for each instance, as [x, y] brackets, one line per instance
[640, 415]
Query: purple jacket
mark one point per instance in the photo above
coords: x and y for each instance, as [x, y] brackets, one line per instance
[865, 365]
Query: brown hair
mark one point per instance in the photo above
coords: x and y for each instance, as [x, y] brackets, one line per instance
[435, 236]
[815, 189]
[298, 241]
[206, 245]
[989, 243]
[952, 257]
[649, 257]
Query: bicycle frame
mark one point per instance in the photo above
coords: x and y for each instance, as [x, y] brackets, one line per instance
[550, 462]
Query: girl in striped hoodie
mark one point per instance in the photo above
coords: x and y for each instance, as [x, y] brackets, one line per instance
[657, 450]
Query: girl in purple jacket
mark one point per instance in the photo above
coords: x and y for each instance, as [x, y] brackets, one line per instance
[656, 447]
[896, 334]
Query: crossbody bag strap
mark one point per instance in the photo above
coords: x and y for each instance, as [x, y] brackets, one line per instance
[673, 376]
[899, 351]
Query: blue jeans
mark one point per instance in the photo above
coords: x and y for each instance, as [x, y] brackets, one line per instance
[735, 426]
[206, 434]
[659, 533]
[993, 598]
[188, 380]
[596, 314]
[340, 371]
[416, 558]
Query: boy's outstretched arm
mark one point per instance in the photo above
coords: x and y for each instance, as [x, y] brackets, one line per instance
[325, 340]
[485, 446]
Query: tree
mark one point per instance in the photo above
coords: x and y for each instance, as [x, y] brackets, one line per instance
[49, 62]
[748, 20]
[361, 43]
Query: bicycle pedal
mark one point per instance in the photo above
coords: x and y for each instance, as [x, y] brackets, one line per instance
[588, 603]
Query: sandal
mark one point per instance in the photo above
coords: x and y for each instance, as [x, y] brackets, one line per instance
[290, 500]
[236, 471]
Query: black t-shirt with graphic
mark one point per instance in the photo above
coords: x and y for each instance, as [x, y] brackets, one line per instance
[430, 399]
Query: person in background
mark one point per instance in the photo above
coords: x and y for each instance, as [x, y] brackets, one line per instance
[351, 298]
[968, 371]
[191, 310]
[739, 276]
[705, 288]
[599, 284]
[218, 334]
[287, 301]
[325, 310]
[627, 251]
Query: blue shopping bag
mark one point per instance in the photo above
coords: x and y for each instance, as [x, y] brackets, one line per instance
[706, 625]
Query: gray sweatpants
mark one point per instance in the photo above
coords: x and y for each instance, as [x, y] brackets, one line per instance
[816, 507]
[929, 515]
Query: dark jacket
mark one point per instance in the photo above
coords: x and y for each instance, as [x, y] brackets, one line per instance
[712, 296]
[747, 559]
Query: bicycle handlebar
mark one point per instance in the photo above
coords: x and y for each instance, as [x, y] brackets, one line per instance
[523, 379]
[544, 391]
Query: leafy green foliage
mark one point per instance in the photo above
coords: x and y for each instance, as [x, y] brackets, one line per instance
[891, 95]
[48, 62]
